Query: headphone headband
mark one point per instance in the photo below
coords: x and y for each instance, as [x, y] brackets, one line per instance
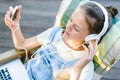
[105, 26]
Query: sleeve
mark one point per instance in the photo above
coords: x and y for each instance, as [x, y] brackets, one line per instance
[43, 37]
[88, 72]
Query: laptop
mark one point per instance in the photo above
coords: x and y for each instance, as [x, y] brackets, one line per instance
[13, 70]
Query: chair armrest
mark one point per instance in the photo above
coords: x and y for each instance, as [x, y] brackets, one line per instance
[12, 54]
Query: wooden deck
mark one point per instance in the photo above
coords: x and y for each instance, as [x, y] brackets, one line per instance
[37, 16]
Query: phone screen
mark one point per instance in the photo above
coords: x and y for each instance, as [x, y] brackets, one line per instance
[14, 12]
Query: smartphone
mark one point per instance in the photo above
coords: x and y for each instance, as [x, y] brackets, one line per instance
[14, 12]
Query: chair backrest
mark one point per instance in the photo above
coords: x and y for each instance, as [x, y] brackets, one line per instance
[108, 48]
[66, 9]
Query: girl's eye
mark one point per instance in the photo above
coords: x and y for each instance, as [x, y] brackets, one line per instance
[76, 29]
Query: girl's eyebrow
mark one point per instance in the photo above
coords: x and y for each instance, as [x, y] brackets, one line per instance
[71, 19]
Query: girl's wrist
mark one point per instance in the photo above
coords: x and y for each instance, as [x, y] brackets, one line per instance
[14, 24]
[75, 75]
[14, 28]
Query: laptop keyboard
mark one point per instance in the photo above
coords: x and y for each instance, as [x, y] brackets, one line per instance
[4, 74]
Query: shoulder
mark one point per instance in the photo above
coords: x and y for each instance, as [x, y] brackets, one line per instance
[44, 36]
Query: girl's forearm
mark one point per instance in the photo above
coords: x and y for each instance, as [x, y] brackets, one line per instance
[75, 74]
[18, 38]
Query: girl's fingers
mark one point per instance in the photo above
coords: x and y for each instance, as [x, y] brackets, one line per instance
[93, 48]
[90, 52]
[8, 20]
[96, 46]
[7, 17]
[86, 54]
[10, 9]
[85, 48]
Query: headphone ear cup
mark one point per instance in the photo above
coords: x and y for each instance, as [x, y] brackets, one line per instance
[91, 37]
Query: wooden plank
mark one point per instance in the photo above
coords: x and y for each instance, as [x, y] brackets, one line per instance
[10, 55]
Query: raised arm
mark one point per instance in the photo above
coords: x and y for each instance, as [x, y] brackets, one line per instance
[81, 63]
[18, 39]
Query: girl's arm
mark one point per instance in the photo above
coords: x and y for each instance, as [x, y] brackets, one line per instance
[18, 39]
[80, 64]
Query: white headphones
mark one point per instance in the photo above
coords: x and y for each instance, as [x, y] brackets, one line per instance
[105, 27]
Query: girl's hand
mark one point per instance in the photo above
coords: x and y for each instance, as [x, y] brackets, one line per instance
[12, 23]
[88, 56]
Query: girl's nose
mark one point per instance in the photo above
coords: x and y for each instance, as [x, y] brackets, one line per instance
[69, 26]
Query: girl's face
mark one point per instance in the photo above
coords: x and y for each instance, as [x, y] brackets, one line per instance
[77, 28]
